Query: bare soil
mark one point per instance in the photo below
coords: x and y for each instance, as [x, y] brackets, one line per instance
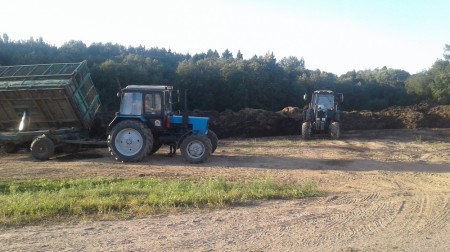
[384, 190]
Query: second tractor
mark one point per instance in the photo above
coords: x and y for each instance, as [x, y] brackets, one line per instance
[323, 114]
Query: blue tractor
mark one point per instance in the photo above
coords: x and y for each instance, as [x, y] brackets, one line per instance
[146, 121]
[323, 114]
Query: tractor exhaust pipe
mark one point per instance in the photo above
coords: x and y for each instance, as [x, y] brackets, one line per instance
[185, 110]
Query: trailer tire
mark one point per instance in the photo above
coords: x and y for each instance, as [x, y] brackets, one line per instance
[130, 141]
[214, 140]
[306, 130]
[196, 148]
[42, 148]
[11, 148]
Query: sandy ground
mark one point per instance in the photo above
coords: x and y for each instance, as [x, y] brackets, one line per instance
[384, 191]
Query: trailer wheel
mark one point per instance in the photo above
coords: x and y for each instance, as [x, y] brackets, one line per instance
[42, 148]
[335, 130]
[306, 130]
[11, 148]
[196, 148]
[214, 140]
[130, 141]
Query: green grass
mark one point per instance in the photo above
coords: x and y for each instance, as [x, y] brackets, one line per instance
[37, 201]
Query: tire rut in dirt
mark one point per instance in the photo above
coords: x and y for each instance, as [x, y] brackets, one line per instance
[410, 207]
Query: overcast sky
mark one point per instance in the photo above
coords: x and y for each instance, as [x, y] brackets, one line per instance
[331, 35]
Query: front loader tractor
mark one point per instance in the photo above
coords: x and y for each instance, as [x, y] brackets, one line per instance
[146, 121]
[322, 116]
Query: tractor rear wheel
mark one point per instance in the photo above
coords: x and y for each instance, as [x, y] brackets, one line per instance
[196, 148]
[306, 130]
[335, 130]
[130, 141]
[42, 148]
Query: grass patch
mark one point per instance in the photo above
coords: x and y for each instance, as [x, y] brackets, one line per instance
[36, 201]
[287, 143]
[275, 143]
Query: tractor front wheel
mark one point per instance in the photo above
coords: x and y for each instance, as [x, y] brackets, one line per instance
[335, 130]
[196, 148]
[214, 140]
[130, 141]
[306, 130]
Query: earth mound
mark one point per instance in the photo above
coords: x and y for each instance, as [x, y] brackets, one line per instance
[259, 123]
[250, 122]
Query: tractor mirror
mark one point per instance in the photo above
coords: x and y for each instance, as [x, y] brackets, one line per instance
[175, 97]
[305, 97]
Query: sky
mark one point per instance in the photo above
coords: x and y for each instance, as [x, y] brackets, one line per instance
[335, 36]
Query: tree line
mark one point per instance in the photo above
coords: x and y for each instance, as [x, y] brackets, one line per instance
[225, 81]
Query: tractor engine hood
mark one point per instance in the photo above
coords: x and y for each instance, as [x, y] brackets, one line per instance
[199, 124]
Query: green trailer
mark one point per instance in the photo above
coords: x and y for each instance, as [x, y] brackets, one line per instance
[46, 107]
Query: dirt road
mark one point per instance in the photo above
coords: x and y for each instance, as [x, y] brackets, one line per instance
[384, 191]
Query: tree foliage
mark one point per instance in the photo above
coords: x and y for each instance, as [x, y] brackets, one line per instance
[220, 81]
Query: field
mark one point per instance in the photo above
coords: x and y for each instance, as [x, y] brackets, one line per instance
[383, 190]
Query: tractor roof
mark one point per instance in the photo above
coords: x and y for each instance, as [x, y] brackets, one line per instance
[323, 92]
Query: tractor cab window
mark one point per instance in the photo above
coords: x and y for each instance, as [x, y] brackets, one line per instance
[153, 103]
[131, 104]
[168, 102]
[324, 101]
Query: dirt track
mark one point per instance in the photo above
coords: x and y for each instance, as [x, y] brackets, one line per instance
[386, 190]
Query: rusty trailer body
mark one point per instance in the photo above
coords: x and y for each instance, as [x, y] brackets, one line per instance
[54, 100]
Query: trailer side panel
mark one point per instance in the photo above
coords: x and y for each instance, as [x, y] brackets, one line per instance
[52, 96]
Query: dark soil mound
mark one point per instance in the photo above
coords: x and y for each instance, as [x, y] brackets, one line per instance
[260, 123]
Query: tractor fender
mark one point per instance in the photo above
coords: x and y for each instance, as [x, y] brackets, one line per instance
[181, 139]
[337, 116]
[119, 118]
[186, 134]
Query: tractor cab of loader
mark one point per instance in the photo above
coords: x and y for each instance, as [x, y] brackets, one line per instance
[146, 121]
[322, 115]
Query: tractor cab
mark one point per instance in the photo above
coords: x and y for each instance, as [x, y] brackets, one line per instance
[153, 104]
[323, 101]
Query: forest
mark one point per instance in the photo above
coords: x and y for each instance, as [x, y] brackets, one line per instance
[223, 81]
